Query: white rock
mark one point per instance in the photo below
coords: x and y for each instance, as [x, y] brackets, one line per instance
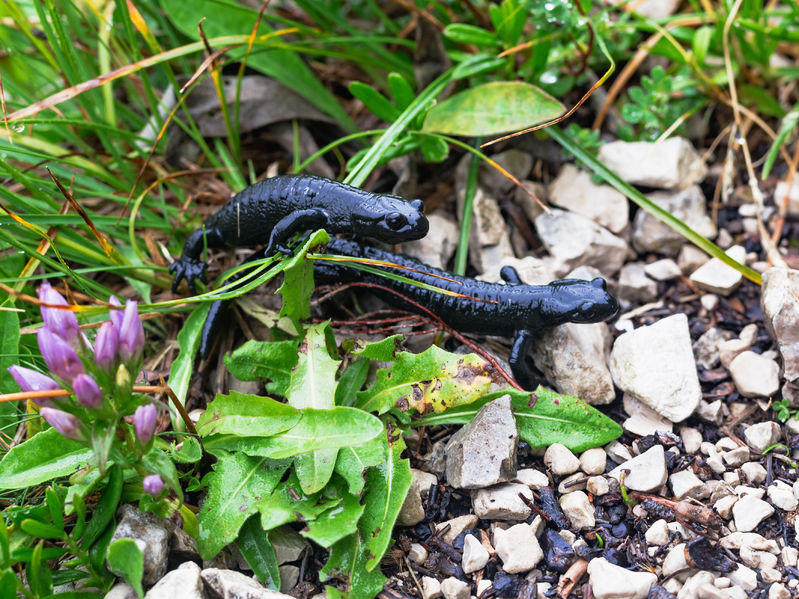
[762, 435]
[575, 191]
[483, 586]
[691, 258]
[575, 240]
[754, 375]
[578, 509]
[736, 457]
[755, 492]
[717, 277]
[709, 301]
[516, 162]
[151, 534]
[636, 363]
[653, 9]
[502, 502]
[634, 286]
[658, 533]
[475, 556]
[781, 317]
[438, 246]
[560, 460]
[518, 548]
[749, 511]
[488, 239]
[614, 582]
[456, 527]
[792, 192]
[121, 590]
[783, 497]
[685, 483]
[452, 588]
[664, 269]
[597, 486]
[675, 560]
[724, 506]
[730, 349]
[535, 479]
[646, 472]
[412, 510]
[652, 235]
[691, 439]
[754, 472]
[744, 577]
[668, 164]
[573, 482]
[417, 554]
[618, 452]
[229, 583]
[643, 420]
[790, 556]
[531, 208]
[431, 588]
[706, 348]
[778, 590]
[531, 270]
[593, 461]
[713, 412]
[181, 583]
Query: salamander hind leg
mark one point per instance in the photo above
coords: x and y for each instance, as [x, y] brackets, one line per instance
[189, 266]
[288, 226]
[522, 374]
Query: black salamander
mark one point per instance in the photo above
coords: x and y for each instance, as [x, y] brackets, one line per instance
[272, 211]
[511, 310]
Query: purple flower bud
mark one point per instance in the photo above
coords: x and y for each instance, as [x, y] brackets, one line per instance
[105, 345]
[30, 380]
[61, 359]
[115, 315]
[131, 333]
[87, 391]
[62, 322]
[144, 422]
[63, 422]
[152, 484]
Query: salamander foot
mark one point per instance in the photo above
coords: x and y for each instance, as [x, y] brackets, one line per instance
[190, 269]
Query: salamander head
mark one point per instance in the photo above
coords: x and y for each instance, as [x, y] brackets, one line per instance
[581, 301]
[393, 220]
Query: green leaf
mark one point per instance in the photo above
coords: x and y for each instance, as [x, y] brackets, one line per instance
[188, 452]
[787, 125]
[463, 33]
[8, 585]
[313, 380]
[434, 149]
[298, 284]
[226, 17]
[314, 469]
[9, 349]
[45, 456]
[103, 513]
[351, 382]
[701, 43]
[387, 485]
[334, 524]
[125, 559]
[156, 461]
[376, 102]
[183, 366]
[543, 418]
[352, 461]
[235, 487]
[491, 109]
[317, 430]
[56, 508]
[287, 503]
[270, 361]
[41, 530]
[477, 64]
[433, 380]
[401, 90]
[246, 416]
[347, 561]
[383, 350]
[5, 552]
[253, 542]
[38, 573]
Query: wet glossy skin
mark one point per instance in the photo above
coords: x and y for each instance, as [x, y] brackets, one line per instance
[272, 211]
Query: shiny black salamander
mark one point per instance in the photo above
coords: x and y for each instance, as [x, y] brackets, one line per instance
[272, 211]
[511, 310]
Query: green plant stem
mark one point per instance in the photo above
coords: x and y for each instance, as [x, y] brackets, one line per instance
[462, 252]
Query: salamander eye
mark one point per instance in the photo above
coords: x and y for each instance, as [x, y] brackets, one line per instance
[395, 221]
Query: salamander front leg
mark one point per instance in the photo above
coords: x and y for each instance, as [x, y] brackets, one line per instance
[510, 275]
[521, 345]
[189, 266]
[296, 222]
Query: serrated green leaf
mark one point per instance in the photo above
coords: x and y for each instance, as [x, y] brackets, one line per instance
[314, 469]
[387, 485]
[317, 430]
[125, 559]
[334, 524]
[246, 416]
[235, 487]
[269, 361]
[383, 350]
[434, 380]
[254, 544]
[313, 380]
[401, 90]
[298, 284]
[188, 452]
[347, 561]
[376, 102]
[491, 109]
[354, 460]
[45, 456]
[543, 418]
[287, 503]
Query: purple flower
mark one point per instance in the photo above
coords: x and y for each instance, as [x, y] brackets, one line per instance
[144, 422]
[131, 333]
[63, 422]
[105, 345]
[62, 322]
[87, 391]
[152, 484]
[30, 380]
[61, 359]
[115, 315]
